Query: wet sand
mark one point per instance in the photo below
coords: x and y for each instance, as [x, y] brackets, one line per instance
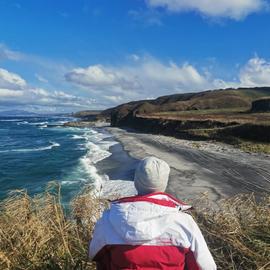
[201, 167]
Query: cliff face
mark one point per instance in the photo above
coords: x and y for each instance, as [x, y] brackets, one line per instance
[261, 105]
[202, 129]
[163, 115]
[176, 128]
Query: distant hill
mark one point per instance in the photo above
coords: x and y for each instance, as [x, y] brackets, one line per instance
[207, 100]
[87, 113]
[17, 113]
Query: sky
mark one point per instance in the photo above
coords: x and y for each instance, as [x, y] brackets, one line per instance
[72, 55]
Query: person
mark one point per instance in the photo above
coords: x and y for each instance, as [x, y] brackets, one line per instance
[150, 230]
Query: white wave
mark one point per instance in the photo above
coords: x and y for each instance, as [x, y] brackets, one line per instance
[68, 129]
[43, 126]
[38, 123]
[58, 123]
[91, 132]
[97, 152]
[97, 180]
[23, 123]
[69, 182]
[97, 149]
[10, 120]
[77, 137]
[52, 145]
[80, 148]
[97, 146]
[62, 122]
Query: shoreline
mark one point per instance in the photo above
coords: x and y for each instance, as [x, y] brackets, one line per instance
[213, 168]
[120, 181]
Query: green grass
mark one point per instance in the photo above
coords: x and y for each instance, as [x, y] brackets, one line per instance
[254, 147]
[252, 94]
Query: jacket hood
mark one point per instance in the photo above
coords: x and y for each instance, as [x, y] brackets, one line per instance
[144, 218]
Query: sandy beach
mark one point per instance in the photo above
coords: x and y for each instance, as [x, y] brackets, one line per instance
[201, 167]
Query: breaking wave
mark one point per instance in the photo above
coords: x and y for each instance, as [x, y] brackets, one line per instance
[97, 148]
[49, 147]
[23, 123]
[10, 120]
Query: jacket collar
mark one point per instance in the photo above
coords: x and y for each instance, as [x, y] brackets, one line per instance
[160, 198]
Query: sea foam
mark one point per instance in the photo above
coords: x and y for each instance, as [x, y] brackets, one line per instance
[97, 150]
[97, 147]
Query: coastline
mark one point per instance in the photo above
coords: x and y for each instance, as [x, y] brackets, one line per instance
[197, 168]
[119, 182]
[121, 150]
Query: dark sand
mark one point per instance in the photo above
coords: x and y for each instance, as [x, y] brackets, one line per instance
[120, 165]
[216, 169]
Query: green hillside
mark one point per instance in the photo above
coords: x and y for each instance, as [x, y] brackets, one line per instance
[231, 100]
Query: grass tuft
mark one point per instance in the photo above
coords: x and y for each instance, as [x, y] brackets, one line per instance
[36, 233]
[238, 231]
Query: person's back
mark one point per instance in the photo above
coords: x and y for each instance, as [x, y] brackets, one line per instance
[151, 230]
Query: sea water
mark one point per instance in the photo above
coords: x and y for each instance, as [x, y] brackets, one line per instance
[37, 150]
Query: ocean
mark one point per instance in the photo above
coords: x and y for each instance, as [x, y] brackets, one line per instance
[37, 150]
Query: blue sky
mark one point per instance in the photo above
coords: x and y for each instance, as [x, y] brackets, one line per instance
[70, 55]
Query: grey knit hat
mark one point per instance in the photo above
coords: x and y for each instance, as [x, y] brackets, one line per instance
[151, 175]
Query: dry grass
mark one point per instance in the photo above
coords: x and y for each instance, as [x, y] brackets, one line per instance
[35, 233]
[236, 115]
[238, 232]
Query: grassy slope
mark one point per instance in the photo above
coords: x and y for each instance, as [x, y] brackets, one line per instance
[239, 115]
[232, 100]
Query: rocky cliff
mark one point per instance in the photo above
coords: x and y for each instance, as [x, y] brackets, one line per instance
[223, 115]
[261, 105]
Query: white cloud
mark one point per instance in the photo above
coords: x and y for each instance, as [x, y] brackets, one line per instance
[42, 97]
[49, 71]
[234, 9]
[114, 99]
[94, 76]
[255, 73]
[41, 78]
[147, 77]
[134, 57]
[6, 53]
[52, 70]
[11, 80]
[39, 96]
[7, 93]
[15, 91]
[177, 76]
[139, 79]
